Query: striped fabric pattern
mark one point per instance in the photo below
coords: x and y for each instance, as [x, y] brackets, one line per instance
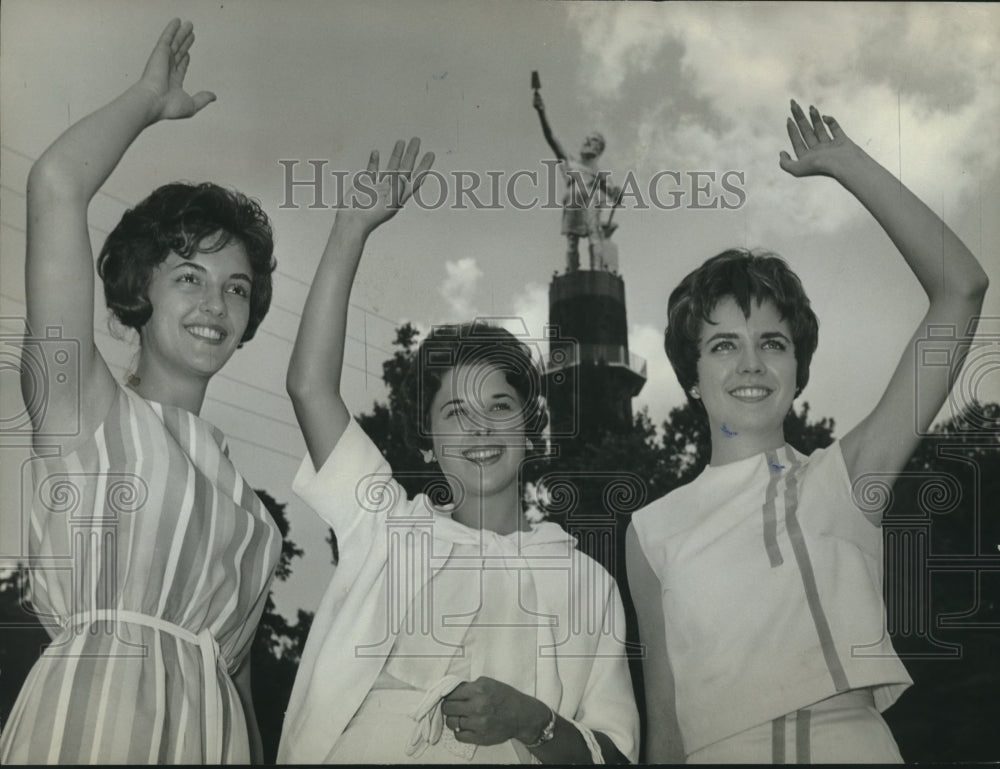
[147, 517]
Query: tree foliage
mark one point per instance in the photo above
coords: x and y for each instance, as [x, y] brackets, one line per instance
[22, 637]
[277, 645]
[946, 505]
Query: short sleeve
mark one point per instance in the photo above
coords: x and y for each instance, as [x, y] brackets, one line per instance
[353, 486]
[608, 704]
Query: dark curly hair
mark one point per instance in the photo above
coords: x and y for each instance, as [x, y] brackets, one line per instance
[745, 276]
[186, 219]
[449, 346]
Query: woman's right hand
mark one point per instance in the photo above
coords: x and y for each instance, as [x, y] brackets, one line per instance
[376, 196]
[165, 71]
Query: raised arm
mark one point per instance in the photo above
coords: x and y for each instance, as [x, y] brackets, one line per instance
[950, 275]
[59, 273]
[661, 739]
[539, 106]
[313, 380]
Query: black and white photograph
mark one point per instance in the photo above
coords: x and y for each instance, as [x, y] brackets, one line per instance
[436, 382]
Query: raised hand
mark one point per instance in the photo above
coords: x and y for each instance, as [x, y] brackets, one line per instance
[165, 71]
[317, 360]
[818, 141]
[376, 196]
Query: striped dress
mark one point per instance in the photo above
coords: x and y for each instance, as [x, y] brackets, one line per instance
[151, 559]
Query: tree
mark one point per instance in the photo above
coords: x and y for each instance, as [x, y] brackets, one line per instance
[950, 642]
[22, 637]
[277, 646]
[385, 424]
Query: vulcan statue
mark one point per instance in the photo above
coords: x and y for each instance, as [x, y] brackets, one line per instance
[589, 191]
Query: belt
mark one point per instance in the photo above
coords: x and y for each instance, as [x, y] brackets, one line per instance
[211, 657]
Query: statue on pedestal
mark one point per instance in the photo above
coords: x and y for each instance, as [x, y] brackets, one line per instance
[588, 192]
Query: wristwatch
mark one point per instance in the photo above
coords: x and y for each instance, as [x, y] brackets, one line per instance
[548, 732]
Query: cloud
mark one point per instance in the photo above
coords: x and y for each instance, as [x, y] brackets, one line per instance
[661, 392]
[916, 87]
[459, 287]
[531, 305]
[531, 315]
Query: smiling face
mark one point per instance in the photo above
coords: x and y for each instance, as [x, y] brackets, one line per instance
[746, 375]
[477, 429]
[201, 307]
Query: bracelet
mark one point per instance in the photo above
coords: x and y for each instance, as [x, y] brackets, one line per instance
[548, 732]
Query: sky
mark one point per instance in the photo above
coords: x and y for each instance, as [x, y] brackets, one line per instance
[697, 90]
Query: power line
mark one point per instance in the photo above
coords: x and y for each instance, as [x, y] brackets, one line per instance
[10, 189]
[230, 437]
[106, 194]
[297, 314]
[18, 152]
[229, 404]
[292, 278]
[219, 375]
[395, 323]
[275, 305]
[262, 330]
[296, 457]
[368, 311]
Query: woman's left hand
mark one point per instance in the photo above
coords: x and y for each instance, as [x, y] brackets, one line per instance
[488, 712]
[820, 145]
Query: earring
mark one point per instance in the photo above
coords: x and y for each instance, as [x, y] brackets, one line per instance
[528, 444]
[428, 455]
[695, 392]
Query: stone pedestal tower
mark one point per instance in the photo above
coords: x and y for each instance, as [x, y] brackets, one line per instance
[591, 375]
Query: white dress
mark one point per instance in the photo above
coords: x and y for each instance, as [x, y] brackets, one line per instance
[771, 581]
[420, 602]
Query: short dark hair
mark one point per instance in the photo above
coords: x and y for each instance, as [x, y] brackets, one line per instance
[746, 276]
[453, 345]
[183, 218]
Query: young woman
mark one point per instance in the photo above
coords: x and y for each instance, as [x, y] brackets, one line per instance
[454, 633]
[758, 586]
[171, 552]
